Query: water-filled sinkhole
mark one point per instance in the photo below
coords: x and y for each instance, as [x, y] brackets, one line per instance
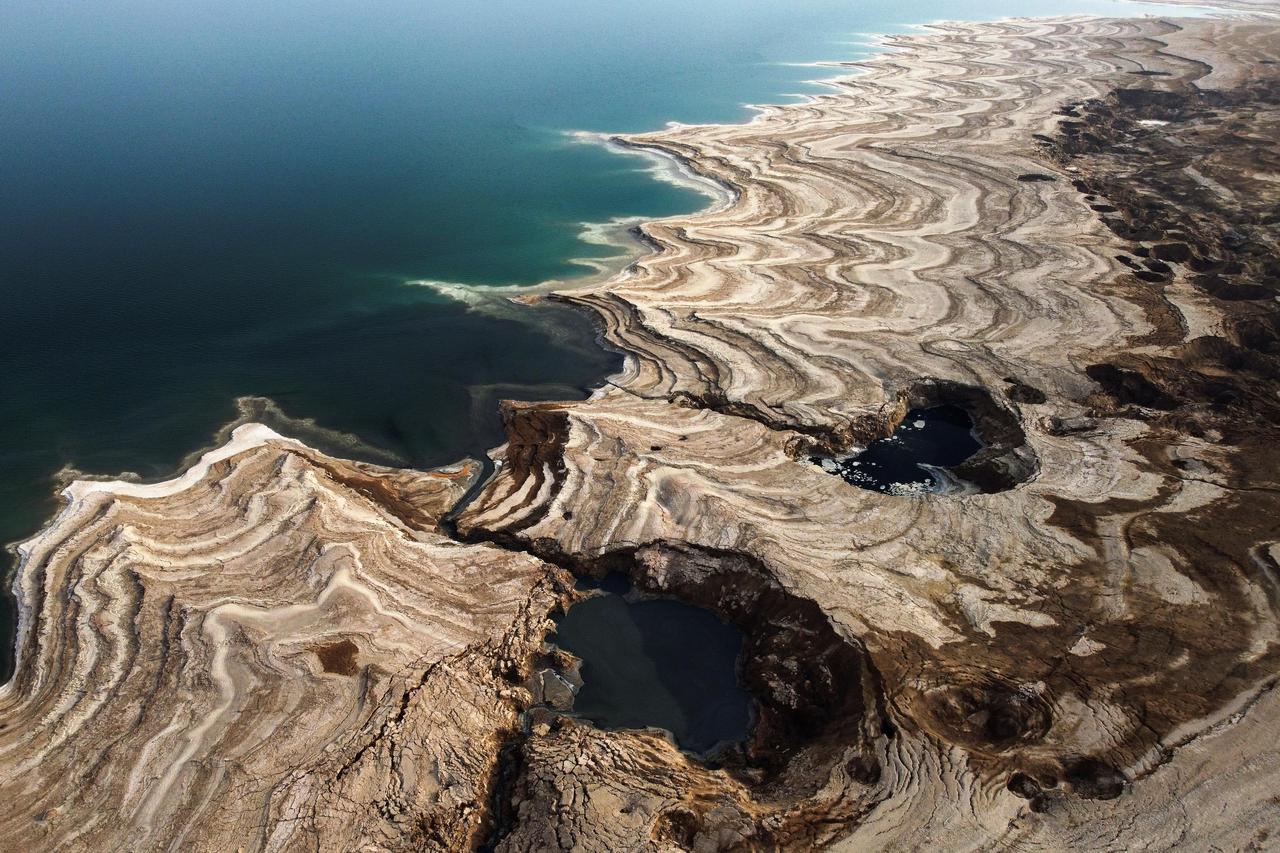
[656, 663]
[915, 457]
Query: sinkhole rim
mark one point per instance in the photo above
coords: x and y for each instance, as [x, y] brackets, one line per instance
[870, 467]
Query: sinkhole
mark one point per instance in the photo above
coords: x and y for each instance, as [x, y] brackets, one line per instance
[915, 458]
[655, 663]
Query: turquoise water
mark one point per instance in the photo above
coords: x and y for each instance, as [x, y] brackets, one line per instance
[206, 200]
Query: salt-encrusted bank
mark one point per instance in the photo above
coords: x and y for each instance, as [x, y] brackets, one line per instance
[281, 650]
[949, 228]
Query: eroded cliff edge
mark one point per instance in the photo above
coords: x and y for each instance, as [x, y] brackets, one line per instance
[1067, 227]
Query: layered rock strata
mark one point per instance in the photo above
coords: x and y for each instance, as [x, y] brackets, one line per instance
[960, 224]
[276, 651]
[1067, 227]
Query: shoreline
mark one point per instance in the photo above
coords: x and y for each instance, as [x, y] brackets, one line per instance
[624, 232]
[646, 317]
[243, 438]
[900, 242]
[670, 167]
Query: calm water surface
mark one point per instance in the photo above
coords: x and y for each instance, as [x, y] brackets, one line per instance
[206, 200]
[657, 663]
[907, 461]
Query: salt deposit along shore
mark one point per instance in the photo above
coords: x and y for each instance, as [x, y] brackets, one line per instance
[1065, 227]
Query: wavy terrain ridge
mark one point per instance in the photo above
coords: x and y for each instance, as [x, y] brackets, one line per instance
[281, 650]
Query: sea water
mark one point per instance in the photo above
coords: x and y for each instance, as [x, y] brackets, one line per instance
[202, 201]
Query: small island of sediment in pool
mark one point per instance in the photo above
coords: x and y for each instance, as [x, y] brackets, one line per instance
[421, 436]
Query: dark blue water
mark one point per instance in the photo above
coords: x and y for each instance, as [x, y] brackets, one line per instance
[657, 663]
[909, 460]
[206, 200]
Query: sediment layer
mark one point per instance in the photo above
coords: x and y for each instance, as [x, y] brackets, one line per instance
[949, 224]
[276, 651]
[285, 651]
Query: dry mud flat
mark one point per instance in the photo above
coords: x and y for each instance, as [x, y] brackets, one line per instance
[1068, 228]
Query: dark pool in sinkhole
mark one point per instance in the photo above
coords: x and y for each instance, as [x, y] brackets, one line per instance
[660, 663]
[915, 457]
[656, 663]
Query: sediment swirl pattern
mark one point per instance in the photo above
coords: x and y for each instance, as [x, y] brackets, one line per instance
[280, 650]
[911, 239]
[262, 655]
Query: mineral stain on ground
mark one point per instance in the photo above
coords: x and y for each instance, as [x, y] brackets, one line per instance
[657, 663]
